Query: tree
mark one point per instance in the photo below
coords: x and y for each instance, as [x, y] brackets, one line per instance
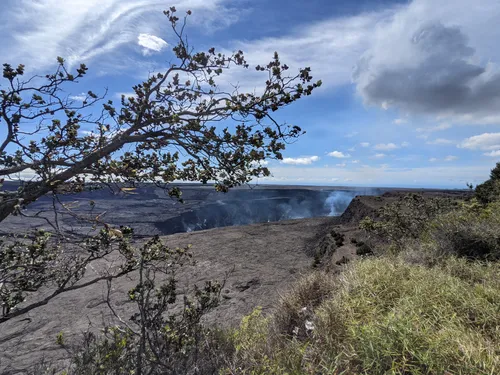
[179, 125]
[180, 109]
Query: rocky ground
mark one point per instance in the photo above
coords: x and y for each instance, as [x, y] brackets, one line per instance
[260, 261]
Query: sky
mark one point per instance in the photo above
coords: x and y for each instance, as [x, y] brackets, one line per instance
[410, 94]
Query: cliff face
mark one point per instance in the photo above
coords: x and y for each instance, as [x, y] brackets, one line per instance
[361, 207]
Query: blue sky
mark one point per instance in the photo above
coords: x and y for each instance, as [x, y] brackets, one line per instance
[411, 89]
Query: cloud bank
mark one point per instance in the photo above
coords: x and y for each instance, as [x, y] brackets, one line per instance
[485, 141]
[434, 67]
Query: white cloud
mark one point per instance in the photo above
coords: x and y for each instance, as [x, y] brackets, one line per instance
[485, 141]
[379, 156]
[385, 146]
[260, 163]
[151, 43]
[300, 161]
[330, 47]
[390, 146]
[425, 47]
[448, 158]
[365, 144]
[440, 141]
[352, 149]
[355, 162]
[339, 154]
[82, 30]
[443, 62]
[493, 154]
[79, 98]
[351, 134]
[473, 118]
[343, 165]
[412, 157]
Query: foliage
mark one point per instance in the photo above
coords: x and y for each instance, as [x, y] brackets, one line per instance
[489, 191]
[295, 308]
[223, 135]
[405, 219]
[179, 125]
[60, 338]
[389, 317]
[27, 264]
[158, 338]
[471, 231]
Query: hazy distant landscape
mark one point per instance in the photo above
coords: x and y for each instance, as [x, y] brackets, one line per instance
[150, 211]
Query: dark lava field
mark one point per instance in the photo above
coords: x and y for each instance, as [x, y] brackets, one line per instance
[150, 211]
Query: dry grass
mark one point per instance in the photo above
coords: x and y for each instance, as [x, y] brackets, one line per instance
[297, 306]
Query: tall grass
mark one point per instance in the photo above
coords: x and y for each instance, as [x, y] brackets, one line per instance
[386, 316]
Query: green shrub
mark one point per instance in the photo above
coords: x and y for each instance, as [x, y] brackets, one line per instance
[472, 231]
[163, 336]
[404, 220]
[489, 191]
[278, 344]
[362, 248]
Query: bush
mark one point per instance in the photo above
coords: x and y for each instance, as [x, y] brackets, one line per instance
[164, 335]
[156, 340]
[489, 191]
[472, 231]
[404, 220]
[389, 317]
[278, 344]
[362, 248]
